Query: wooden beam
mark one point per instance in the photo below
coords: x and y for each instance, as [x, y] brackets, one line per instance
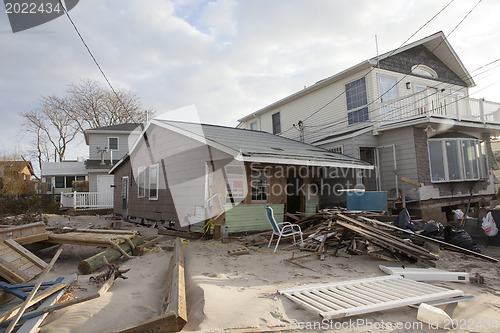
[32, 293]
[448, 245]
[173, 315]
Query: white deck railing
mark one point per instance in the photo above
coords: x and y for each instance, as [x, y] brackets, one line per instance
[87, 200]
[432, 104]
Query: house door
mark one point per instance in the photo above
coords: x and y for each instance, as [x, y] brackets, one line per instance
[105, 183]
[294, 198]
[125, 197]
[369, 179]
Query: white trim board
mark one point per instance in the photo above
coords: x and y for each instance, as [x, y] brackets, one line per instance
[426, 274]
[350, 298]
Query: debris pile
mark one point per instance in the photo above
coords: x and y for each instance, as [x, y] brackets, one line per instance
[362, 233]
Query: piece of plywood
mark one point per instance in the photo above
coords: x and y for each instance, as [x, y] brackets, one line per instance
[25, 234]
[350, 298]
[426, 274]
[18, 265]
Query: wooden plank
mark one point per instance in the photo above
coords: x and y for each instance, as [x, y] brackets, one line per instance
[37, 298]
[12, 273]
[31, 325]
[448, 245]
[32, 293]
[175, 300]
[25, 253]
[173, 315]
[162, 324]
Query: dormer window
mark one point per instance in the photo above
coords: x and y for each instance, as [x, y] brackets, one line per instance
[423, 70]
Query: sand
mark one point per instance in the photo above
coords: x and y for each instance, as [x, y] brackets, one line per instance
[239, 293]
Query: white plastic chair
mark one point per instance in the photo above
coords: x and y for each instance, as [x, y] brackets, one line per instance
[287, 229]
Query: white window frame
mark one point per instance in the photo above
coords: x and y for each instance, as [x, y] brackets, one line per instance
[358, 108]
[386, 93]
[153, 166]
[117, 143]
[424, 71]
[238, 194]
[266, 184]
[337, 149]
[141, 171]
[254, 126]
[481, 163]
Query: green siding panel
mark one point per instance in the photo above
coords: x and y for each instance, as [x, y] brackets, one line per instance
[251, 217]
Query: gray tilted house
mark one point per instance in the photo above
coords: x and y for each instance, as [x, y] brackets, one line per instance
[186, 173]
[408, 112]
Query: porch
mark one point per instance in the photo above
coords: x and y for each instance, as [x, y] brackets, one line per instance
[87, 200]
[428, 104]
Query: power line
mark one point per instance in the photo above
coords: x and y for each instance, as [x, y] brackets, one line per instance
[97, 64]
[401, 79]
[328, 128]
[373, 68]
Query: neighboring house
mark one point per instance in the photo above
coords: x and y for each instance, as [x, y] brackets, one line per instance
[408, 112]
[16, 177]
[59, 176]
[107, 145]
[186, 173]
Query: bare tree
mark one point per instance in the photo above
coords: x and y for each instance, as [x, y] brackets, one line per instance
[52, 128]
[87, 105]
[92, 106]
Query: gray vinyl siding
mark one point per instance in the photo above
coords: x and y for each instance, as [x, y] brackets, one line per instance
[404, 141]
[100, 141]
[183, 160]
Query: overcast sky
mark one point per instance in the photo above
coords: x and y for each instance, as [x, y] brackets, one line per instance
[227, 57]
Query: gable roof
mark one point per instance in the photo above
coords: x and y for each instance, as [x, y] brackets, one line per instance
[66, 168]
[257, 146]
[125, 128]
[437, 43]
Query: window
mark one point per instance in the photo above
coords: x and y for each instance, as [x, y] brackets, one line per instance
[357, 116]
[337, 149]
[113, 143]
[253, 126]
[356, 99]
[388, 88]
[260, 185]
[276, 123]
[457, 159]
[80, 177]
[236, 184]
[423, 70]
[153, 182]
[59, 181]
[141, 182]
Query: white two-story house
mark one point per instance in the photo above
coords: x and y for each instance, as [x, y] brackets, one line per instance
[407, 112]
[107, 145]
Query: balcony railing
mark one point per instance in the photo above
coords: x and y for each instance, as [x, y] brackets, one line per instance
[87, 200]
[433, 104]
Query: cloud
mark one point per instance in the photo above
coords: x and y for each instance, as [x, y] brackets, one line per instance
[227, 57]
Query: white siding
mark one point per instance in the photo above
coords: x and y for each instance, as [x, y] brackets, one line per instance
[331, 102]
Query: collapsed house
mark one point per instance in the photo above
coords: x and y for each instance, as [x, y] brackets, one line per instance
[185, 174]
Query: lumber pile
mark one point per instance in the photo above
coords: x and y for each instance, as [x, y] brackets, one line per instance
[333, 230]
